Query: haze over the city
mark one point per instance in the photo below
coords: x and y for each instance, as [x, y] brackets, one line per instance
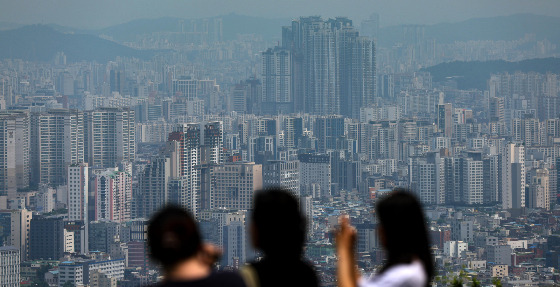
[111, 111]
[99, 14]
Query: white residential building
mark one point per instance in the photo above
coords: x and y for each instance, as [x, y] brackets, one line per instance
[513, 176]
[57, 141]
[455, 249]
[9, 266]
[78, 186]
[14, 153]
[110, 136]
[78, 189]
[113, 194]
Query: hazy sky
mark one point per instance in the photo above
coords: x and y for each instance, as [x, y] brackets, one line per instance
[103, 13]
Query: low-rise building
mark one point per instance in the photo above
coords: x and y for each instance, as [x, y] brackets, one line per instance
[500, 271]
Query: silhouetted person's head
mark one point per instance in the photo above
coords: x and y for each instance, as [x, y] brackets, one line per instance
[173, 236]
[278, 225]
[403, 230]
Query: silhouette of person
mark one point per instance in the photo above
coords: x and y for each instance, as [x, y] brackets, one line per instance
[278, 229]
[174, 241]
[402, 232]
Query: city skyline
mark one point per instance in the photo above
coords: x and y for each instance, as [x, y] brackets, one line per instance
[100, 130]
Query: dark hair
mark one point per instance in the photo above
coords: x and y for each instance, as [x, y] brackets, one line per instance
[406, 236]
[173, 236]
[279, 224]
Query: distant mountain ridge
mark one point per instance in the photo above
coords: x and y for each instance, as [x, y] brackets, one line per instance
[8, 25]
[507, 28]
[511, 27]
[232, 25]
[238, 24]
[473, 75]
[129, 31]
[24, 42]
[41, 43]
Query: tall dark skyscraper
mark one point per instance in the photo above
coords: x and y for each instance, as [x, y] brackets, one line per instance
[294, 131]
[331, 69]
[246, 98]
[46, 238]
[445, 119]
[213, 142]
[328, 130]
[277, 93]
[116, 81]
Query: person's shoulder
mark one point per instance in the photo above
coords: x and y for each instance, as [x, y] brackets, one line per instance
[214, 279]
[268, 271]
[299, 265]
[228, 278]
[409, 275]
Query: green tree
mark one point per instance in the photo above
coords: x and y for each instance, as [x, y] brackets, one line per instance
[68, 284]
[497, 282]
[456, 282]
[475, 282]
